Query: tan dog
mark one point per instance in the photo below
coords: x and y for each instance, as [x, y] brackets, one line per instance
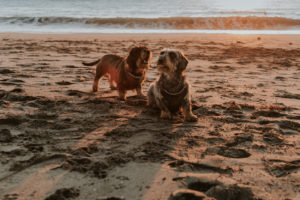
[124, 73]
[170, 92]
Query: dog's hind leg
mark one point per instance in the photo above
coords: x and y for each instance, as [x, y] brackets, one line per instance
[112, 83]
[187, 109]
[98, 76]
[151, 98]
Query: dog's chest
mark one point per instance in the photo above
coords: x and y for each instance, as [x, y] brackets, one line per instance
[174, 100]
[130, 83]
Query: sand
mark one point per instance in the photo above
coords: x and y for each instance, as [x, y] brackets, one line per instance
[59, 140]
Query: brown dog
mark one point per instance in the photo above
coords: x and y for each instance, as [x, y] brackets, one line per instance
[171, 92]
[124, 73]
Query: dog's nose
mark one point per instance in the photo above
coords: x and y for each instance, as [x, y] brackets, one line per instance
[160, 60]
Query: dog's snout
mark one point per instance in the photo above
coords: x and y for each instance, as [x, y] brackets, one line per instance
[160, 59]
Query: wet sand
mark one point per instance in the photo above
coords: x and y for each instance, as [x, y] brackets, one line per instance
[59, 140]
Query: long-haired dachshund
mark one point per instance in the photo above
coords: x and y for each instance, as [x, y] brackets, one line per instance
[124, 73]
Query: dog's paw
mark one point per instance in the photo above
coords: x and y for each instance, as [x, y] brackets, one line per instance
[165, 115]
[151, 105]
[122, 95]
[95, 89]
[113, 87]
[122, 98]
[142, 95]
[191, 118]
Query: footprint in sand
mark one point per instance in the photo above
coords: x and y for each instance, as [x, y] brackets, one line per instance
[286, 124]
[70, 66]
[11, 120]
[6, 71]
[15, 82]
[85, 165]
[17, 90]
[5, 135]
[181, 165]
[76, 93]
[186, 194]
[64, 193]
[229, 152]
[231, 192]
[266, 113]
[297, 117]
[205, 186]
[214, 140]
[281, 168]
[34, 148]
[273, 138]
[64, 83]
[233, 153]
[288, 95]
[240, 139]
[202, 185]
[12, 96]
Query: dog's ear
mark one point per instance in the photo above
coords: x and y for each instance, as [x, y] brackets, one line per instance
[133, 56]
[183, 62]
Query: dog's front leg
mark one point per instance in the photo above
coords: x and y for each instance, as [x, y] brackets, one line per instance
[165, 113]
[139, 92]
[155, 99]
[151, 97]
[122, 95]
[187, 109]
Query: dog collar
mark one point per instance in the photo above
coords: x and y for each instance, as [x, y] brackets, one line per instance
[134, 76]
[174, 94]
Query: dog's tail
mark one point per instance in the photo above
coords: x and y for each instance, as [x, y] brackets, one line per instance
[91, 63]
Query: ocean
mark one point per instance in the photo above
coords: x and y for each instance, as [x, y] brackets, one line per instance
[151, 16]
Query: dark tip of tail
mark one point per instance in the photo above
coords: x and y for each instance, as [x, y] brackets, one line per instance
[90, 63]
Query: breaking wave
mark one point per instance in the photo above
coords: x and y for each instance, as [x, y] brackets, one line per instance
[173, 23]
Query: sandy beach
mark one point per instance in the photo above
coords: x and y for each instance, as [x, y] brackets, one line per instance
[59, 140]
